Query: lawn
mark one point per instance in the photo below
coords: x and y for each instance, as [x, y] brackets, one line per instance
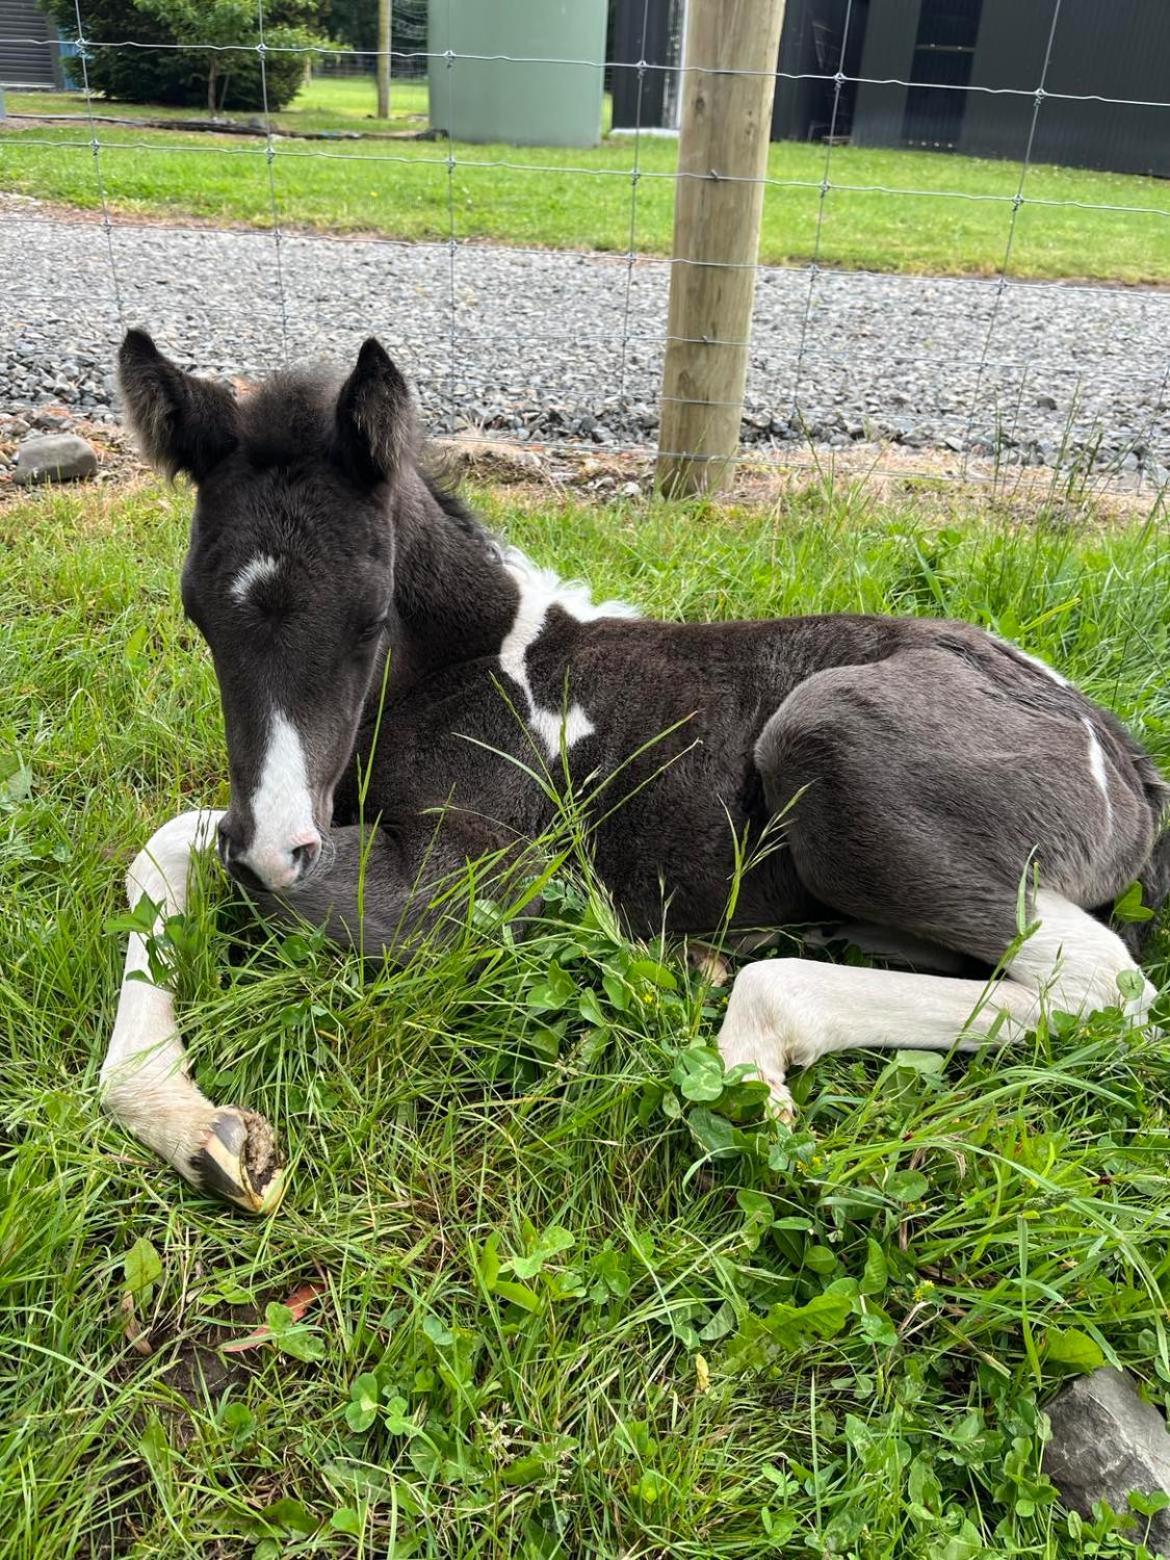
[573, 1297]
[323, 103]
[886, 210]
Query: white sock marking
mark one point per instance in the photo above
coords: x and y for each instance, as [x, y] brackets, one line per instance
[262, 567]
[144, 1081]
[788, 1012]
[541, 589]
[1076, 961]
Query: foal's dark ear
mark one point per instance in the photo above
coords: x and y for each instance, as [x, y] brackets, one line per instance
[375, 417]
[181, 423]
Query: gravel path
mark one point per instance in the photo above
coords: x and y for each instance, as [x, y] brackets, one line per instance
[538, 339]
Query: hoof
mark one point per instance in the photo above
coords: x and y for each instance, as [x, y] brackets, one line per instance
[238, 1160]
[780, 1106]
[710, 965]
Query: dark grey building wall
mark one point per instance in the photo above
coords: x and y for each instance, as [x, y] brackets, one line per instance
[1119, 50]
[810, 50]
[888, 51]
[28, 52]
[1112, 48]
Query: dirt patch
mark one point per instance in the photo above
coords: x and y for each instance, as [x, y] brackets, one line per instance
[935, 482]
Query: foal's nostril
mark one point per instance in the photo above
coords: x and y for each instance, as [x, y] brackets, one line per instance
[229, 840]
[305, 855]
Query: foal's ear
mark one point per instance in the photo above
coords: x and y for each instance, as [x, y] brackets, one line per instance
[181, 423]
[375, 417]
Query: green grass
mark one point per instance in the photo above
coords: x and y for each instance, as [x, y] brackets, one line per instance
[582, 199]
[324, 103]
[720, 1339]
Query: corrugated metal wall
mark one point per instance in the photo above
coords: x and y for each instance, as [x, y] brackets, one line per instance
[1115, 50]
[1119, 50]
[1112, 48]
[24, 63]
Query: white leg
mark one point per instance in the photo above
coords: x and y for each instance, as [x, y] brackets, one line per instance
[1074, 961]
[788, 1012]
[145, 1084]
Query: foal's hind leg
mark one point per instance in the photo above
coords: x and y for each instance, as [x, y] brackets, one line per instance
[908, 818]
[788, 1012]
[145, 1082]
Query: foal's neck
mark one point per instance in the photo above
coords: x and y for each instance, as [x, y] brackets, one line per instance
[453, 598]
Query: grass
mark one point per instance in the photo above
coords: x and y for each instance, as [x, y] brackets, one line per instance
[323, 103]
[898, 211]
[576, 1299]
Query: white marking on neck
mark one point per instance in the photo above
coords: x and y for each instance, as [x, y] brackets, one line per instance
[1097, 768]
[262, 567]
[1034, 660]
[540, 589]
[281, 805]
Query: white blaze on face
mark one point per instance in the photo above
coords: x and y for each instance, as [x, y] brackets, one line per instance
[262, 567]
[281, 807]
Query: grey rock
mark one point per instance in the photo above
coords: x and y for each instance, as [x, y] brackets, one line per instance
[55, 457]
[51, 422]
[1106, 1442]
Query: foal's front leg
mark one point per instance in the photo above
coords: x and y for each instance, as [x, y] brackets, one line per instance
[145, 1082]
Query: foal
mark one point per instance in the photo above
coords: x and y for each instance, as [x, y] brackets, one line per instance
[920, 771]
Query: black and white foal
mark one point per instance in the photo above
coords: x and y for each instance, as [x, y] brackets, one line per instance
[924, 770]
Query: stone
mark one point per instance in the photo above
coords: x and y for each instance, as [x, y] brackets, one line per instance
[1046, 403]
[454, 459]
[55, 457]
[1106, 1442]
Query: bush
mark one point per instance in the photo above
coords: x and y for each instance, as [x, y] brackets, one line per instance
[195, 74]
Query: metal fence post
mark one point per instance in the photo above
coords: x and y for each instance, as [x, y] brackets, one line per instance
[729, 80]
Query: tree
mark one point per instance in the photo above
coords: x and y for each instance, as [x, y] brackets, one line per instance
[217, 61]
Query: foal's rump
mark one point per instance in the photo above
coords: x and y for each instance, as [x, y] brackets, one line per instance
[953, 768]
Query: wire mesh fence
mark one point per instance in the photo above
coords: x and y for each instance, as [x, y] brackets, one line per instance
[558, 338]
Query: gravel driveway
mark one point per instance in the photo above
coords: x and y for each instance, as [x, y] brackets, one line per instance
[536, 345]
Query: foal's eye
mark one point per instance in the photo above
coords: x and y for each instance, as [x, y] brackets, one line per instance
[371, 630]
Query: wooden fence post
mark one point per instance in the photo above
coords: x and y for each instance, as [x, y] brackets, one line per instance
[722, 156]
[383, 59]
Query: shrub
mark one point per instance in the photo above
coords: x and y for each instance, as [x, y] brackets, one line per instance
[216, 64]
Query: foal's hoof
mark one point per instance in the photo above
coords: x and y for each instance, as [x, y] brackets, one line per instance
[781, 1107]
[238, 1160]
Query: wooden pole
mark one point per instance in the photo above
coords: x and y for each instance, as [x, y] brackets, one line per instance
[383, 59]
[722, 156]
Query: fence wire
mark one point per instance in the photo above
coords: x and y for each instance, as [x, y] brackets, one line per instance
[783, 360]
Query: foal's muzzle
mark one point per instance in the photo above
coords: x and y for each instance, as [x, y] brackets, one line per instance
[275, 870]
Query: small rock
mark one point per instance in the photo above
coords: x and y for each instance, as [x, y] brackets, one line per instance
[52, 419]
[631, 490]
[1107, 1442]
[55, 457]
[1046, 403]
[456, 458]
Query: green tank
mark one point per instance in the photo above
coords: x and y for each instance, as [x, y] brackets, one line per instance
[526, 99]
